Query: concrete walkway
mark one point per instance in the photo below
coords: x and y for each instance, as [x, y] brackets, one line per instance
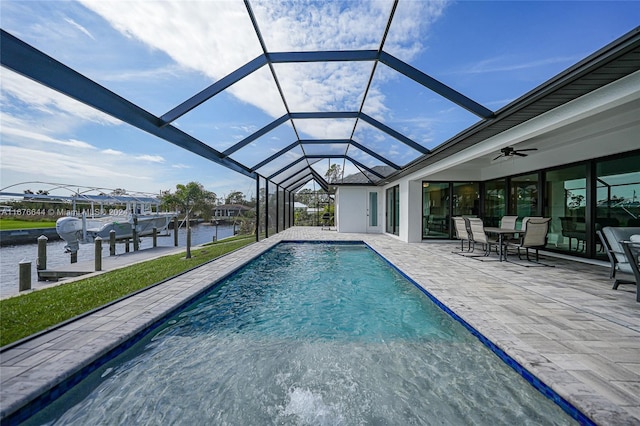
[562, 323]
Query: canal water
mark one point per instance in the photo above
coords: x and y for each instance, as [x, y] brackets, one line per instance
[11, 256]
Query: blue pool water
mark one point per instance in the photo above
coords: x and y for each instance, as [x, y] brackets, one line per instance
[321, 334]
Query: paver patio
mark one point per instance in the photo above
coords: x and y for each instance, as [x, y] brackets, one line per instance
[564, 323]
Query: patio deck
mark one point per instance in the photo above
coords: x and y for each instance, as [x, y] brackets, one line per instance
[564, 324]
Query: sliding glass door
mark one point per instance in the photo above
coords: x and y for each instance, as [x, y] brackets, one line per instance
[393, 211]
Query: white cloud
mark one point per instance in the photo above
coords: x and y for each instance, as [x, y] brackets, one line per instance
[14, 129]
[66, 166]
[150, 158]
[68, 112]
[80, 27]
[193, 33]
[180, 166]
[506, 64]
[110, 151]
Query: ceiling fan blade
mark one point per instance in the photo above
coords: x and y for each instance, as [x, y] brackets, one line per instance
[527, 149]
[501, 155]
[520, 154]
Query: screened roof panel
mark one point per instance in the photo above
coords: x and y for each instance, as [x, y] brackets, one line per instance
[129, 47]
[217, 123]
[321, 25]
[331, 149]
[281, 161]
[325, 128]
[364, 158]
[323, 86]
[437, 119]
[293, 168]
[196, 75]
[385, 145]
[265, 146]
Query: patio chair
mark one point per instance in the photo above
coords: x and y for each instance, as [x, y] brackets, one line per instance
[632, 251]
[610, 236]
[326, 221]
[571, 231]
[479, 236]
[462, 233]
[534, 237]
[508, 222]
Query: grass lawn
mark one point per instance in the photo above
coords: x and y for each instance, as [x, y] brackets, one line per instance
[30, 313]
[10, 223]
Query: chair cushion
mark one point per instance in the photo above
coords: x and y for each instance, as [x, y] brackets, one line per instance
[635, 238]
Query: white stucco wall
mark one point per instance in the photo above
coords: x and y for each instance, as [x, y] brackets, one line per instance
[352, 209]
[601, 123]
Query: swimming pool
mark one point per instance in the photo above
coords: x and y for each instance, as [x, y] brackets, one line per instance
[308, 334]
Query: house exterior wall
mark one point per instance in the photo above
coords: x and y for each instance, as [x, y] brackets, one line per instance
[352, 209]
[601, 123]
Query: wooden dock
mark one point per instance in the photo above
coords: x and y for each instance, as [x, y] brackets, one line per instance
[109, 263]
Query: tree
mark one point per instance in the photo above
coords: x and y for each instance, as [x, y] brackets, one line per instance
[236, 197]
[189, 197]
[333, 173]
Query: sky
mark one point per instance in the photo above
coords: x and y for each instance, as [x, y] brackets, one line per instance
[158, 54]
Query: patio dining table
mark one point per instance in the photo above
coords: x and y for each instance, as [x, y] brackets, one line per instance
[501, 232]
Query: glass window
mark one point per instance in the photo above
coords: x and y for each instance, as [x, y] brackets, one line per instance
[566, 202]
[435, 210]
[373, 209]
[618, 192]
[466, 199]
[523, 197]
[495, 202]
[393, 210]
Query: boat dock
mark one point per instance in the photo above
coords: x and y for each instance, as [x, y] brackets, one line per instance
[109, 263]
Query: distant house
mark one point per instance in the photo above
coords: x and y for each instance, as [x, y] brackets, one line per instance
[230, 210]
[299, 206]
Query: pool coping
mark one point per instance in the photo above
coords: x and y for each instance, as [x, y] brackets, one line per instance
[56, 356]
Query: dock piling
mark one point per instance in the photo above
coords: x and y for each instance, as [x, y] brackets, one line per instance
[112, 242]
[24, 275]
[155, 236]
[175, 231]
[136, 243]
[74, 257]
[41, 264]
[98, 253]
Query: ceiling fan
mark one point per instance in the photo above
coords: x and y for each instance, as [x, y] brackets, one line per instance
[508, 151]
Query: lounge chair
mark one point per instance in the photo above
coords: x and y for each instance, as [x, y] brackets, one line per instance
[479, 236]
[632, 251]
[462, 233]
[610, 236]
[534, 237]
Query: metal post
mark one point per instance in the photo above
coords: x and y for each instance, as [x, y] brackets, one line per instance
[41, 265]
[112, 242]
[126, 246]
[25, 275]
[188, 243]
[136, 244]
[175, 231]
[216, 237]
[155, 237]
[74, 257]
[98, 253]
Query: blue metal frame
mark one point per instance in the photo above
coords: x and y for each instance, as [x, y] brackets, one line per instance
[36, 65]
[435, 85]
